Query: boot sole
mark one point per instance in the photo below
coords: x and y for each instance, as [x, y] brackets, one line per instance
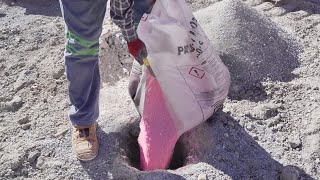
[87, 159]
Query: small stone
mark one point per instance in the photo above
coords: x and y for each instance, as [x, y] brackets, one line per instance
[270, 112]
[202, 177]
[294, 141]
[58, 74]
[53, 41]
[250, 126]
[26, 126]
[264, 111]
[279, 126]
[56, 164]
[277, 120]
[61, 133]
[258, 85]
[2, 67]
[33, 156]
[236, 89]
[289, 173]
[23, 120]
[226, 135]
[15, 104]
[231, 124]
[33, 87]
[255, 137]
[274, 122]
[24, 79]
[16, 162]
[40, 162]
[249, 92]
[18, 39]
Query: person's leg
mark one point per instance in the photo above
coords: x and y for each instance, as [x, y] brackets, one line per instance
[83, 21]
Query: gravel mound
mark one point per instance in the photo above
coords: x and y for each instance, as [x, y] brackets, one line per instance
[253, 47]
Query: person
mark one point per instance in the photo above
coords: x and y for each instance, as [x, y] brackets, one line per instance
[83, 24]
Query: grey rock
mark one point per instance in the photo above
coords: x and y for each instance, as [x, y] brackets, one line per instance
[61, 132]
[250, 126]
[231, 123]
[279, 126]
[289, 173]
[202, 177]
[274, 121]
[294, 141]
[33, 156]
[255, 2]
[26, 126]
[56, 164]
[15, 104]
[258, 85]
[24, 79]
[236, 89]
[16, 162]
[58, 74]
[270, 112]
[249, 93]
[40, 162]
[4, 107]
[2, 67]
[264, 111]
[23, 120]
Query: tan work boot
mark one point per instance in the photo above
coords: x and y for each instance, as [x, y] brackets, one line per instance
[84, 142]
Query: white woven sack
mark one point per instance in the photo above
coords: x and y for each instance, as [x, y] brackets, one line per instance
[192, 77]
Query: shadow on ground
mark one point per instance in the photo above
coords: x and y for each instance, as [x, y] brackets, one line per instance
[237, 154]
[38, 7]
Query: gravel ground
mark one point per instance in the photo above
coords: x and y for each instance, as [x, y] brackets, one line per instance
[268, 129]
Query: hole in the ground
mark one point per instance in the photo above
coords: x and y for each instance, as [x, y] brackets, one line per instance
[179, 156]
[133, 153]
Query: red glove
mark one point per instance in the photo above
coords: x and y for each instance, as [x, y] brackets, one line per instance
[138, 50]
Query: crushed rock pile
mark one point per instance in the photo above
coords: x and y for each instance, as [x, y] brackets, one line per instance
[253, 47]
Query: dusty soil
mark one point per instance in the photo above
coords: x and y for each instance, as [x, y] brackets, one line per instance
[268, 129]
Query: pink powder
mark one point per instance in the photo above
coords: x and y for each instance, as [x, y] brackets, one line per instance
[158, 134]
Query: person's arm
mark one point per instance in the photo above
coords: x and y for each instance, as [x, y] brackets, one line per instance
[121, 12]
